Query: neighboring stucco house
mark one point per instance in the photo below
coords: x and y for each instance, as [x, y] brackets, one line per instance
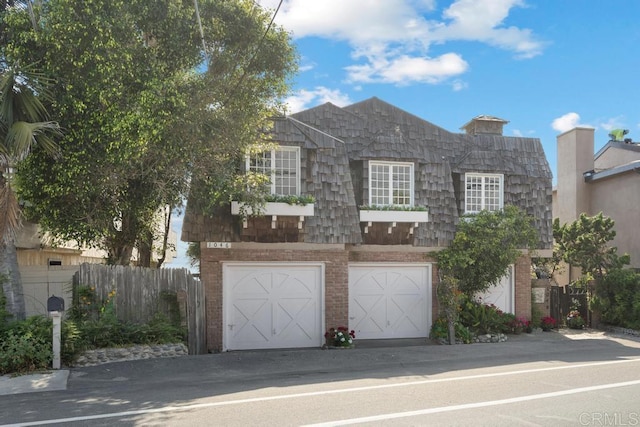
[282, 279]
[47, 269]
[607, 182]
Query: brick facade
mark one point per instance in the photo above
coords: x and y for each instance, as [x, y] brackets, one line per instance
[336, 259]
[336, 274]
[522, 279]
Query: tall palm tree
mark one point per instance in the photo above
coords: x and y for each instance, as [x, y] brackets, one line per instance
[23, 123]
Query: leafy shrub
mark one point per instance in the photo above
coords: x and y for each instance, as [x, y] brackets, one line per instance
[24, 345]
[440, 331]
[575, 320]
[72, 341]
[484, 318]
[618, 298]
[162, 329]
[509, 323]
[24, 352]
[27, 345]
[536, 317]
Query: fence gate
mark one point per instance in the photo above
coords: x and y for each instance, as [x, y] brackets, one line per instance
[563, 298]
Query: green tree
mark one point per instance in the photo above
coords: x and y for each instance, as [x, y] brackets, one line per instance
[484, 246]
[147, 111]
[23, 125]
[585, 242]
[193, 253]
[618, 298]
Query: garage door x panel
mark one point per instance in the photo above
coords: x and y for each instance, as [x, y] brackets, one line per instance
[389, 301]
[275, 306]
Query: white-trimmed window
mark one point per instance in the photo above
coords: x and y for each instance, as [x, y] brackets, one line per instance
[282, 166]
[391, 183]
[483, 191]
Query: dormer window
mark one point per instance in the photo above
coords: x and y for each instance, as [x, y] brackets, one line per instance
[390, 183]
[483, 191]
[282, 166]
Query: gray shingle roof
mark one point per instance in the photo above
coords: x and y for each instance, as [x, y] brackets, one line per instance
[338, 142]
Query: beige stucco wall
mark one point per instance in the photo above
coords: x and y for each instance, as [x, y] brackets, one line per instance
[575, 156]
[614, 156]
[619, 198]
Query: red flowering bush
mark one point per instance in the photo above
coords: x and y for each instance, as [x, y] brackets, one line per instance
[547, 323]
[520, 324]
[340, 337]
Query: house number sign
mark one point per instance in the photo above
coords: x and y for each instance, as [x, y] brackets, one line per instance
[218, 245]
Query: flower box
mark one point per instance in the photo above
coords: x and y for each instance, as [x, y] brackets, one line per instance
[393, 216]
[276, 209]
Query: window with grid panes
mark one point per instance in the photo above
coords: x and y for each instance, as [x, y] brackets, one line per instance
[390, 183]
[282, 166]
[483, 191]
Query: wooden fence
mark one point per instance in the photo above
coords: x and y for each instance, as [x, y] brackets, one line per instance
[139, 291]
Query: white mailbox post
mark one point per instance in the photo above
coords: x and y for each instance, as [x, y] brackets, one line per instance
[55, 307]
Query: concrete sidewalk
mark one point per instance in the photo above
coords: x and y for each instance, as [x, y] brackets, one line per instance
[366, 355]
[47, 381]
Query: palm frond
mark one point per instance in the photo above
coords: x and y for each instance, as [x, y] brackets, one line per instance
[22, 92]
[22, 136]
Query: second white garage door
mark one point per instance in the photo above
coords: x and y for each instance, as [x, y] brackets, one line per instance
[390, 300]
[502, 294]
[272, 305]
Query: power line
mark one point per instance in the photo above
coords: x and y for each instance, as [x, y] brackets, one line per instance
[255, 52]
[204, 45]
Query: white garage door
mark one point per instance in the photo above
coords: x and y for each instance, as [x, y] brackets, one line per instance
[390, 300]
[271, 305]
[502, 294]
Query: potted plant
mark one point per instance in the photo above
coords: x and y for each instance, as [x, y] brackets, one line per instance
[547, 323]
[575, 320]
[340, 337]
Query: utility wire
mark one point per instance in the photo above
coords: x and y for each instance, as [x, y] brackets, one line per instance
[204, 45]
[255, 52]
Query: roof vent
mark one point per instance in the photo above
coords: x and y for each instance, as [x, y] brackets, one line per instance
[487, 125]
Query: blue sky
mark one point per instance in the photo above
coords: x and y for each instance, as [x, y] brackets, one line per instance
[546, 66]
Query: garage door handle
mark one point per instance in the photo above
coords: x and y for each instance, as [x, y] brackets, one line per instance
[231, 327]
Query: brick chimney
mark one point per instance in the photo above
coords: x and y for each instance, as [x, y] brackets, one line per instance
[484, 125]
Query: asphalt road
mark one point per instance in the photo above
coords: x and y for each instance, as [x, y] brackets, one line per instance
[583, 378]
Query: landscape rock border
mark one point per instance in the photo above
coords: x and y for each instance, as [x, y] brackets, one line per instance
[135, 352]
[479, 339]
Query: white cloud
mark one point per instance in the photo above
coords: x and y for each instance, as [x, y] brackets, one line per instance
[304, 99]
[517, 132]
[612, 123]
[356, 21]
[392, 38]
[459, 85]
[483, 21]
[567, 122]
[405, 69]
